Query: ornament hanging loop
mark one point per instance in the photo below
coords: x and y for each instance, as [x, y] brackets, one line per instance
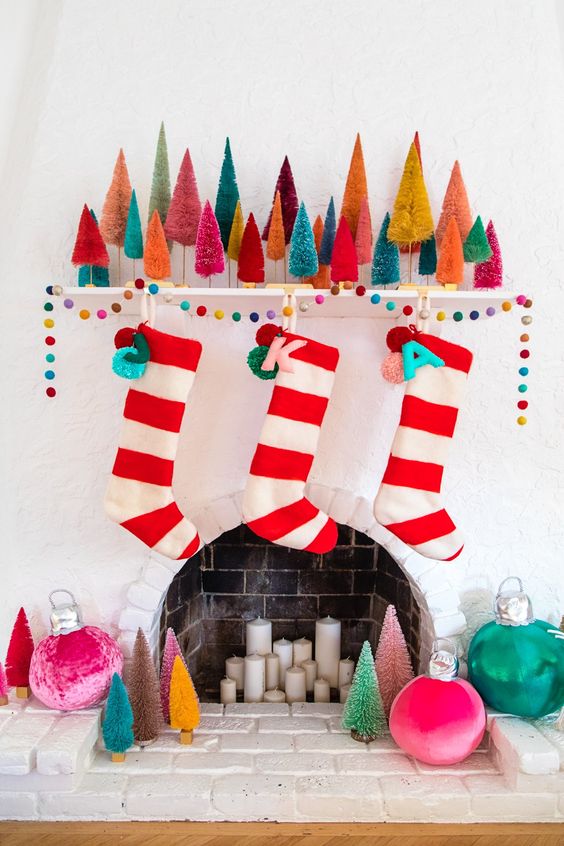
[65, 618]
[443, 663]
[513, 607]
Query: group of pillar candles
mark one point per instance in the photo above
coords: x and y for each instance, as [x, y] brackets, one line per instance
[285, 671]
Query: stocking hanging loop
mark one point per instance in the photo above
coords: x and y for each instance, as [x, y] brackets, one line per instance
[148, 309]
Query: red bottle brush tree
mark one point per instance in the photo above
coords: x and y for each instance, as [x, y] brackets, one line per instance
[156, 257]
[489, 274]
[20, 650]
[343, 259]
[89, 248]
[250, 269]
[185, 210]
[288, 199]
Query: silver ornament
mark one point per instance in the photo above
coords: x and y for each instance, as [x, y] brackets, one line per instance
[424, 314]
[513, 607]
[65, 618]
[527, 320]
[57, 290]
[303, 306]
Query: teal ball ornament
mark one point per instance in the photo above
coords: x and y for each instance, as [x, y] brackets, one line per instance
[516, 663]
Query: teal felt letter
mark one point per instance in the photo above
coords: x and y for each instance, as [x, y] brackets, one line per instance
[415, 355]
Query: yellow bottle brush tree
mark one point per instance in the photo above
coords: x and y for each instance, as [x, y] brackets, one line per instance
[184, 703]
[412, 220]
[235, 238]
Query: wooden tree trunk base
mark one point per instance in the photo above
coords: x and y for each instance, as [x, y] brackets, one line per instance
[186, 738]
[362, 738]
[3, 700]
[118, 757]
[23, 692]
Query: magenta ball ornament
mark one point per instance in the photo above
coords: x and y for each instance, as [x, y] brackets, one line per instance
[438, 718]
[73, 667]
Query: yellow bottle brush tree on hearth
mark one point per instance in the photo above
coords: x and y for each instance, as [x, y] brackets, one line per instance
[184, 703]
[412, 220]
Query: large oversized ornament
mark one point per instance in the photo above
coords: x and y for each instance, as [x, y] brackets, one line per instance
[516, 662]
[73, 667]
[438, 718]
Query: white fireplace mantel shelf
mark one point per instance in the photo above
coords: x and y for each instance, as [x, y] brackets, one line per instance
[246, 300]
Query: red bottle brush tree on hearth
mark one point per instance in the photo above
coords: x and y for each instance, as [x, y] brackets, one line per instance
[288, 200]
[185, 210]
[489, 274]
[209, 249]
[250, 269]
[392, 662]
[89, 248]
[343, 258]
[20, 650]
[355, 188]
[156, 257]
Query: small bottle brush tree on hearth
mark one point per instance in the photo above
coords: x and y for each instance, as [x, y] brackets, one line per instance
[235, 238]
[450, 266]
[276, 241]
[144, 694]
[476, 246]
[3, 686]
[156, 258]
[116, 207]
[343, 259]
[250, 268]
[100, 275]
[18, 657]
[170, 652]
[185, 210]
[355, 188]
[411, 220]
[364, 713]
[489, 274]
[89, 247]
[302, 259]
[209, 249]
[392, 662]
[160, 184]
[288, 200]
[184, 703]
[227, 195]
[117, 727]
[428, 257]
[133, 243]
[385, 262]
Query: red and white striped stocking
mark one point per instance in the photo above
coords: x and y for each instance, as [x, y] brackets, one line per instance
[274, 505]
[409, 502]
[139, 494]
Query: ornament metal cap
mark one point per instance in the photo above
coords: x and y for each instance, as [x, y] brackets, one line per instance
[65, 618]
[443, 664]
[513, 607]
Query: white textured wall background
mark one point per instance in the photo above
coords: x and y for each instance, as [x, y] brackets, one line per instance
[481, 82]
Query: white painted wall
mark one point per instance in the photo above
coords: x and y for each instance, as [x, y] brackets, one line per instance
[481, 82]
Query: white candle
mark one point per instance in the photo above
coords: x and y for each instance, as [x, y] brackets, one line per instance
[272, 670]
[302, 651]
[321, 691]
[310, 668]
[235, 669]
[346, 671]
[227, 691]
[283, 648]
[274, 696]
[254, 678]
[328, 649]
[295, 684]
[259, 636]
[343, 693]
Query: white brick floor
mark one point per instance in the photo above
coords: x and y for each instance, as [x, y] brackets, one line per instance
[271, 762]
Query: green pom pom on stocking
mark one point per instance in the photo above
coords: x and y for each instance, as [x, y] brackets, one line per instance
[255, 360]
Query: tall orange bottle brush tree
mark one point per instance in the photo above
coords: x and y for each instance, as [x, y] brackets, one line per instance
[355, 188]
[116, 208]
[156, 257]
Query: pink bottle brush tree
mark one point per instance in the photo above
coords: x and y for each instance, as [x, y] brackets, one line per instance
[185, 210]
[489, 274]
[209, 249]
[393, 665]
[171, 650]
[3, 686]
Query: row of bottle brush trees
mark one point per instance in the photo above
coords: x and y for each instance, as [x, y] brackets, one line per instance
[328, 252]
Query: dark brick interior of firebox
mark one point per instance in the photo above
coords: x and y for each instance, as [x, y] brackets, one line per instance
[240, 576]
